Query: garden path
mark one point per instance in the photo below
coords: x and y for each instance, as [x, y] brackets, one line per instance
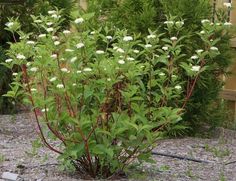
[16, 156]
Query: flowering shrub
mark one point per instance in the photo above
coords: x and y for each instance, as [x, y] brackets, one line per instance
[106, 96]
[139, 14]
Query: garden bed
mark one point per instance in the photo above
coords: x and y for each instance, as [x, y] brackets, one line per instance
[17, 156]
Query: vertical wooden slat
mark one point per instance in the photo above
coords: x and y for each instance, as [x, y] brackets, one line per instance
[83, 4]
[233, 12]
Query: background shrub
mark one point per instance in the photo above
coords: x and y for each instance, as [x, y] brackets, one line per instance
[137, 15]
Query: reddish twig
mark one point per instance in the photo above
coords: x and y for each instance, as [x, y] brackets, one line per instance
[26, 80]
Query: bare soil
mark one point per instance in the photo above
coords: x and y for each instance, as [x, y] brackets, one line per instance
[17, 133]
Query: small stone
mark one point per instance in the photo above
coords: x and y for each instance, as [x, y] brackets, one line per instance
[10, 176]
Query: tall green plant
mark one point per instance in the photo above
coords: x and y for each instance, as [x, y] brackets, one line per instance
[107, 95]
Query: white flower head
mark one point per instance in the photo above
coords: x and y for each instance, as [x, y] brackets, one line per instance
[66, 32]
[53, 79]
[128, 38]
[14, 73]
[38, 21]
[228, 5]
[200, 51]
[194, 57]
[165, 48]
[179, 23]
[52, 12]
[79, 20]
[130, 58]
[54, 56]
[9, 24]
[30, 42]
[55, 16]
[151, 36]
[34, 69]
[178, 87]
[64, 70]
[173, 38]
[121, 62]
[162, 74]
[136, 51]
[78, 71]
[72, 60]
[42, 35]
[8, 60]
[87, 69]
[227, 24]
[92, 33]
[196, 68]
[60, 86]
[56, 43]
[20, 56]
[115, 47]
[79, 45]
[120, 50]
[148, 46]
[55, 37]
[214, 48]
[202, 32]
[33, 90]
[108, 79]
[45, 110]
[99, 52]
[169, 22]
[109, 37]
[49, 29]
[74, 84]
[69, 50]
[28, 64]
[49, 23]
[205, 21]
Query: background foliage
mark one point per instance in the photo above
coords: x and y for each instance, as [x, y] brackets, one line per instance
[22, 10]
[137, 15]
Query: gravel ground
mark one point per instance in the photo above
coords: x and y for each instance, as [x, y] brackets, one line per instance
[16, 156]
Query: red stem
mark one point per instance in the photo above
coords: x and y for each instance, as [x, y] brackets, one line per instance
[25, 76]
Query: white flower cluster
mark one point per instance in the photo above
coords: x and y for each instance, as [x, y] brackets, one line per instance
[8, 60]
[196, 68]
[79, 45]
[30, 42]
[66, 32]
[53, 14]
[151, 36]
[148, 46]
[128, 38]
[228, 5]
[177, 23]
[173, 38]
[205, 21]
[9, 24]
[120, 50]
[72, 60]
[20, 56]
[169, 22]
[99, 52]
[178, 87]
[79, 20]
[194, 57]
[214, 49]
[109, 37]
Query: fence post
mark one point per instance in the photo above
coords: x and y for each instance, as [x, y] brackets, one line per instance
[83, 4]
